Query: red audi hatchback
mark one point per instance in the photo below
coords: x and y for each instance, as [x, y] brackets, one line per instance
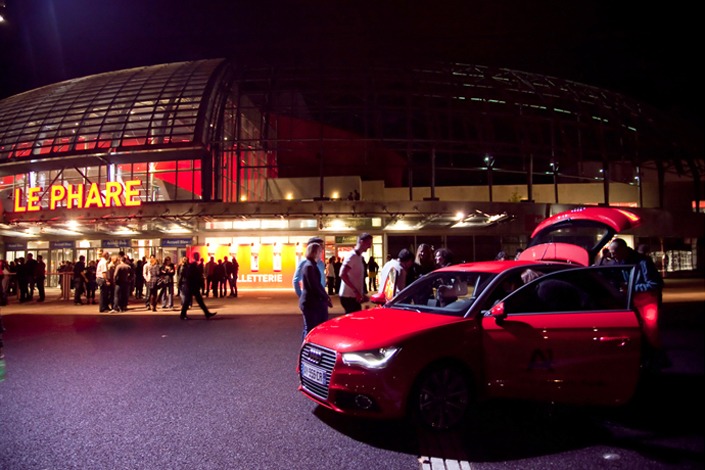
[546, 327]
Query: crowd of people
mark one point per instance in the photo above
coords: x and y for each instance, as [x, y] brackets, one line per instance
[352, 278]
[21, 278]
[113, 279]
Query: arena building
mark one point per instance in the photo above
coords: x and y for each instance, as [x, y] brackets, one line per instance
[250, 161]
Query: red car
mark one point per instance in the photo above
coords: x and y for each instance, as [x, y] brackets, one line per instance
[547, 327]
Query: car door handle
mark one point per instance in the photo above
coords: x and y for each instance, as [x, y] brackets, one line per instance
[620, 340]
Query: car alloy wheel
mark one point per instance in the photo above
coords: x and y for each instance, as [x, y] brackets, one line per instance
[442, 397]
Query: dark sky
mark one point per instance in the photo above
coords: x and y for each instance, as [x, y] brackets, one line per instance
[646, 50]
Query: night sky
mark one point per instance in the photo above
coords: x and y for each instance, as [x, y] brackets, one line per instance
[644, 50]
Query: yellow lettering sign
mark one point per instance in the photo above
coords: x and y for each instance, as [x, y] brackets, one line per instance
[77, 196]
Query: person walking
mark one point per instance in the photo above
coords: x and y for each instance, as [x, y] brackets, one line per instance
[191, 288]
[352, 275]
[314, 302]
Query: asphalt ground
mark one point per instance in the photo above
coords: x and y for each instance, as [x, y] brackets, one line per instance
[144, 390]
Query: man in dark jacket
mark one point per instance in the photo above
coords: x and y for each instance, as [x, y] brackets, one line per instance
[648, 287]
[30, 268]
[79, 279]
[191, 288]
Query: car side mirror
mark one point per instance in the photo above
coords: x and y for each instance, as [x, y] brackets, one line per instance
[497, 311]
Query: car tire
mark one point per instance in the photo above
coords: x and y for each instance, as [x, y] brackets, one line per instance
[442, 397]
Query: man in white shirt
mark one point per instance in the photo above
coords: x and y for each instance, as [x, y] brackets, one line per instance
[101, 276]
[352, 276]
[396, 270]
[146, 275]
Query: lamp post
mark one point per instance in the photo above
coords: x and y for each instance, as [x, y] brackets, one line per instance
[554, 171]
[489, 162]
[637, 179]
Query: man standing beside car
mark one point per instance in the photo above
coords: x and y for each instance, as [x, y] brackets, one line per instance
[352, 276]
[648, 287]
[299, 274]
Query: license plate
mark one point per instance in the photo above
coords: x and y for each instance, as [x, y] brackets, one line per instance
[313, 373]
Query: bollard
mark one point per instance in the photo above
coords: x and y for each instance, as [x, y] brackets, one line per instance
[66, 285]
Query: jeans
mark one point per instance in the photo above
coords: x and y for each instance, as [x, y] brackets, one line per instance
[167, 295]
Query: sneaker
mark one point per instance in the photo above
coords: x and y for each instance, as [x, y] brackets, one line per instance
[211, 314]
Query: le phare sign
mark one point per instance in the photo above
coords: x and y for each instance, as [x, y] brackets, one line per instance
[80, 196]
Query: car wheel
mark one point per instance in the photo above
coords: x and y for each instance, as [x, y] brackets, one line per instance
[442, 397]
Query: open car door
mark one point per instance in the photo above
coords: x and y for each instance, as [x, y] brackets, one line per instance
[569, 336]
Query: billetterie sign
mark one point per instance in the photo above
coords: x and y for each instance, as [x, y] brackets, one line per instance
[80, 196]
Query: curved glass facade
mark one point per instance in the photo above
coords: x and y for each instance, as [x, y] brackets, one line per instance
[421, 151]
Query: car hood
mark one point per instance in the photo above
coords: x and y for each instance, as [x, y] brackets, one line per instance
[375, 328]
[577, 236]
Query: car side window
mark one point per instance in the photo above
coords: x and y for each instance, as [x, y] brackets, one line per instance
[449, 293]
[574, 290]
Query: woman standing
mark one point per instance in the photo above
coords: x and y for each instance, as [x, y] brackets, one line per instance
[330, 275]
[314, 301]
[166, 293]
[151, 279]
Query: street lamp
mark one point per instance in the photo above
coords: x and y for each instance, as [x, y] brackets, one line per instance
[489, 162]
[554, 171]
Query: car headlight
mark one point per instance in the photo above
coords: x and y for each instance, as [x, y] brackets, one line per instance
[374, 359]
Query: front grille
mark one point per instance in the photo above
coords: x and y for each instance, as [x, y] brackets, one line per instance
[321, 358]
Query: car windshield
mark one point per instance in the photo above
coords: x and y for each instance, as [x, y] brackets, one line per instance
[442, 292]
